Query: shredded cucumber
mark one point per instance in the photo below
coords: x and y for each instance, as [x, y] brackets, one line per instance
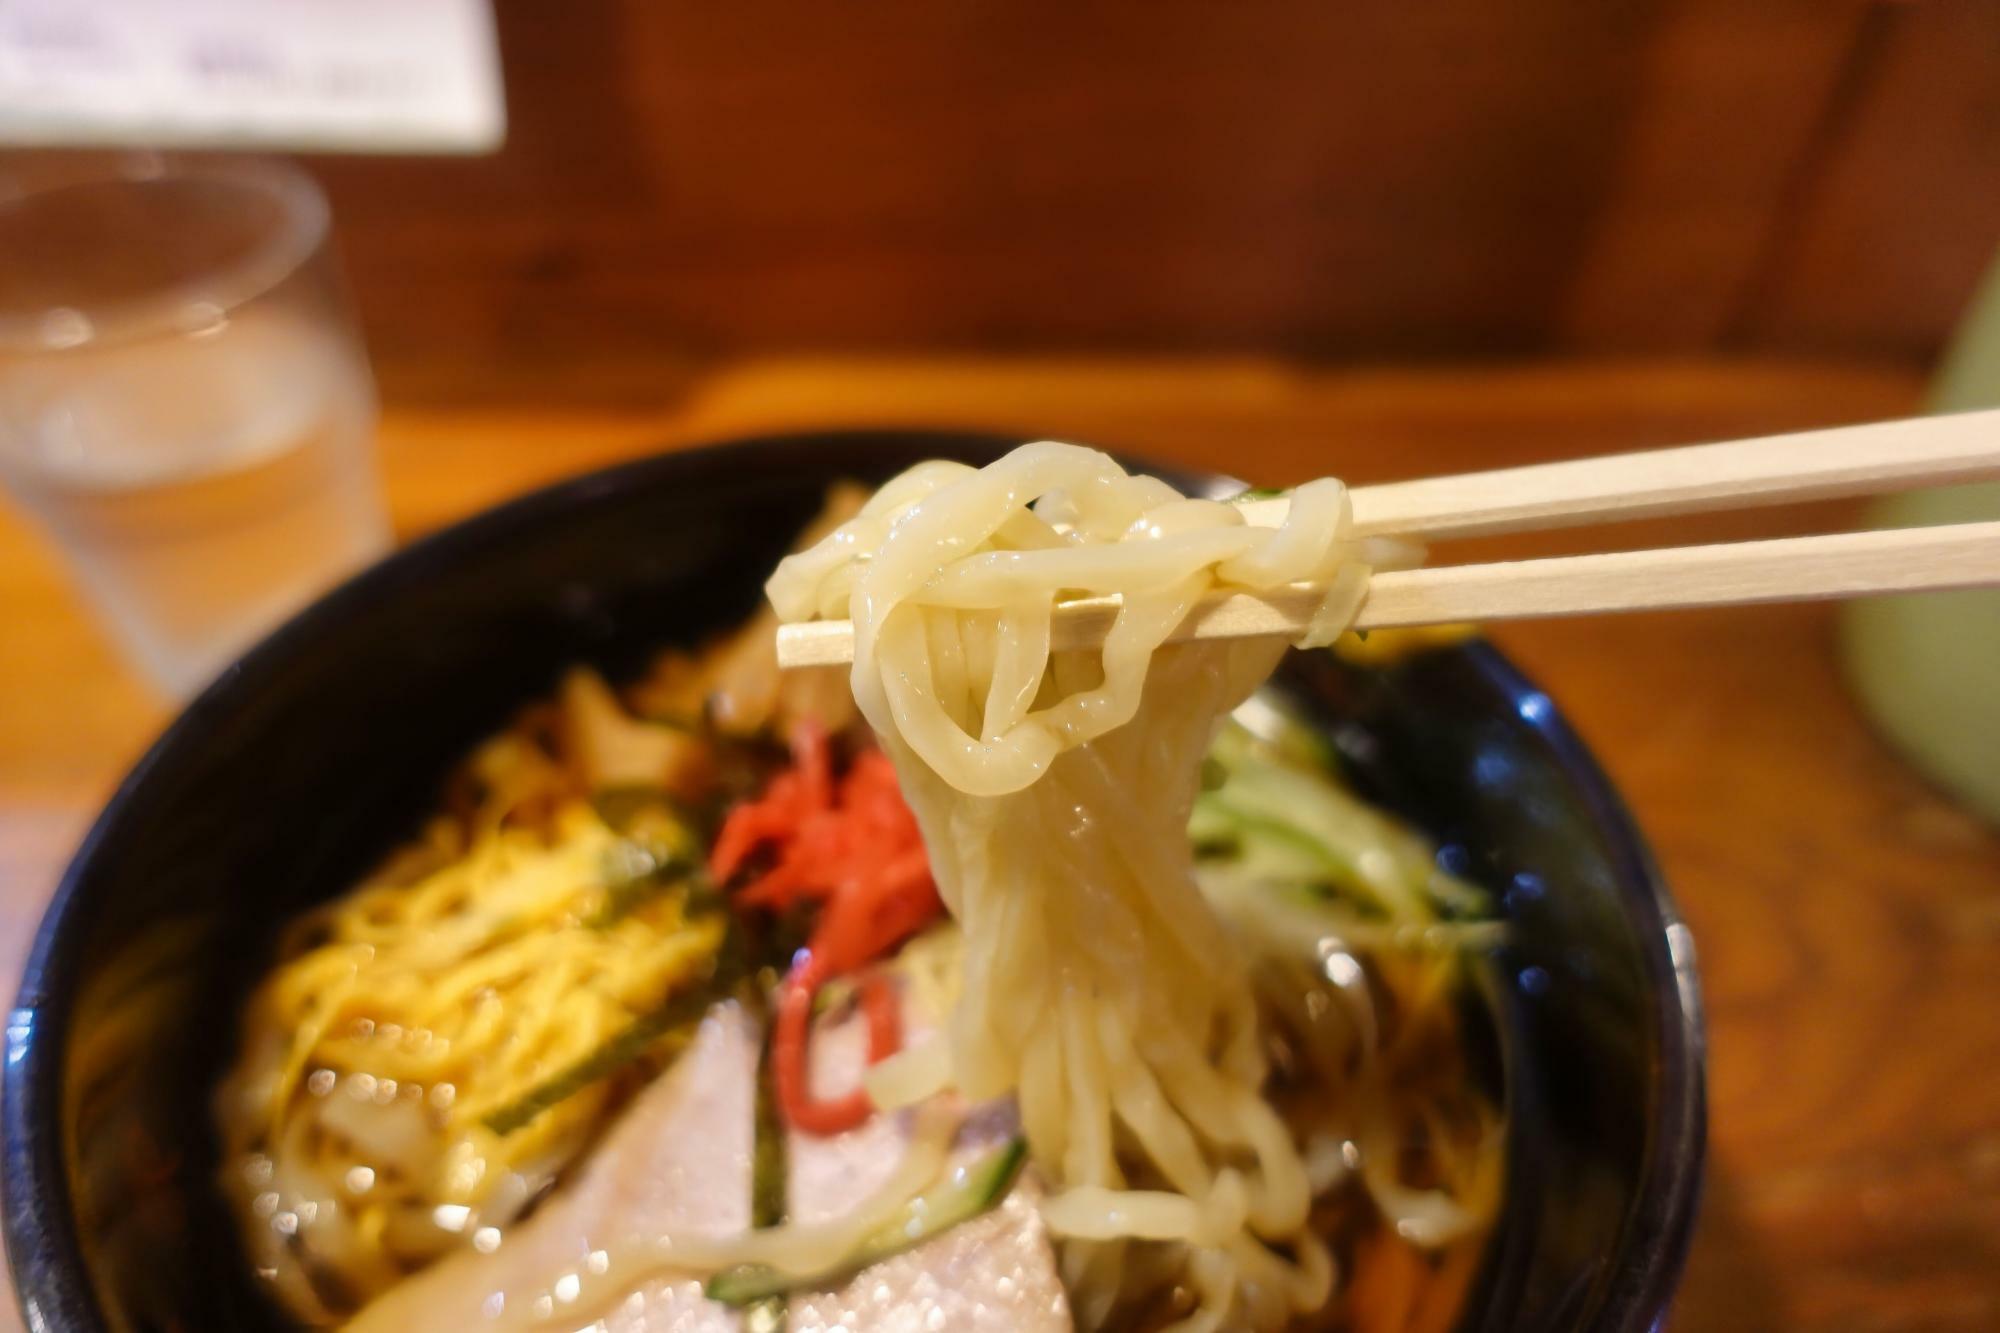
[1279, 816]
[962, 1196]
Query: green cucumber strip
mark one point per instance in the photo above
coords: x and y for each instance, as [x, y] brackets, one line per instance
[959, 1198]
[622, 897]
[678, 1016]
[767, 1155]
[767, 1187]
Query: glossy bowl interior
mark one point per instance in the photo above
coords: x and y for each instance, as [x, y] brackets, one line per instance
[309, 758]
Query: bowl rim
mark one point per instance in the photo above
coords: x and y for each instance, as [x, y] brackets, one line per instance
[37, 1212]
[1661, 1228]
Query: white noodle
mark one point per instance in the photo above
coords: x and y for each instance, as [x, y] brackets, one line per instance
[1099, 988]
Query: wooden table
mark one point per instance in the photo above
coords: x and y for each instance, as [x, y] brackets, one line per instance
[1848, 918]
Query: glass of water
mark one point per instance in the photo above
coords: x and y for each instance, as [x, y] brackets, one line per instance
[184, 402]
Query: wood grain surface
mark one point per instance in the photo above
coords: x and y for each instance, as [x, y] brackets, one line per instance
[1848, 918]
[1370, 177]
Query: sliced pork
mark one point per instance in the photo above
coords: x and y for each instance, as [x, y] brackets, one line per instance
[677, 1161]
[994, 1274]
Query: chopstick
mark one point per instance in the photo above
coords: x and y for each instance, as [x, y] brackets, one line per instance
[1812, 465]
[1872, 459]
[1789, 569]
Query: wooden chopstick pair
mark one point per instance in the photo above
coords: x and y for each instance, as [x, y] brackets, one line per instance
[1811, 465]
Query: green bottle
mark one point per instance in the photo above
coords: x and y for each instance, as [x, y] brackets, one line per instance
[1927, 666]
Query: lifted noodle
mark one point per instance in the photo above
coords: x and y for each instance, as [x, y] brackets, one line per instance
[1100, 989]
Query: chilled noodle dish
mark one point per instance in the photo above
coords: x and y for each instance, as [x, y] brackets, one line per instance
[1059, 989]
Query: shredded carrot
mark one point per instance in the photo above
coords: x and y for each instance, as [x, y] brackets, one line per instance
[853, 847]
[1395, 1287]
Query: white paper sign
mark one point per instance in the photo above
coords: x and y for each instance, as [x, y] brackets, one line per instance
[352, 75]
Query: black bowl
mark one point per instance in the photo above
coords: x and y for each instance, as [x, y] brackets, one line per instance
[306, 760]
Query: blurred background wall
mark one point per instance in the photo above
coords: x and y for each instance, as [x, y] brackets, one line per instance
[1449, 179]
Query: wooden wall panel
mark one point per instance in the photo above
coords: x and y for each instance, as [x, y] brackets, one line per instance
[1902, 208]
[1362, 179]
[1300, 174]
[1732, 100]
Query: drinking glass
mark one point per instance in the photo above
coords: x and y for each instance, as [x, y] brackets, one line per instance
[185, 405]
